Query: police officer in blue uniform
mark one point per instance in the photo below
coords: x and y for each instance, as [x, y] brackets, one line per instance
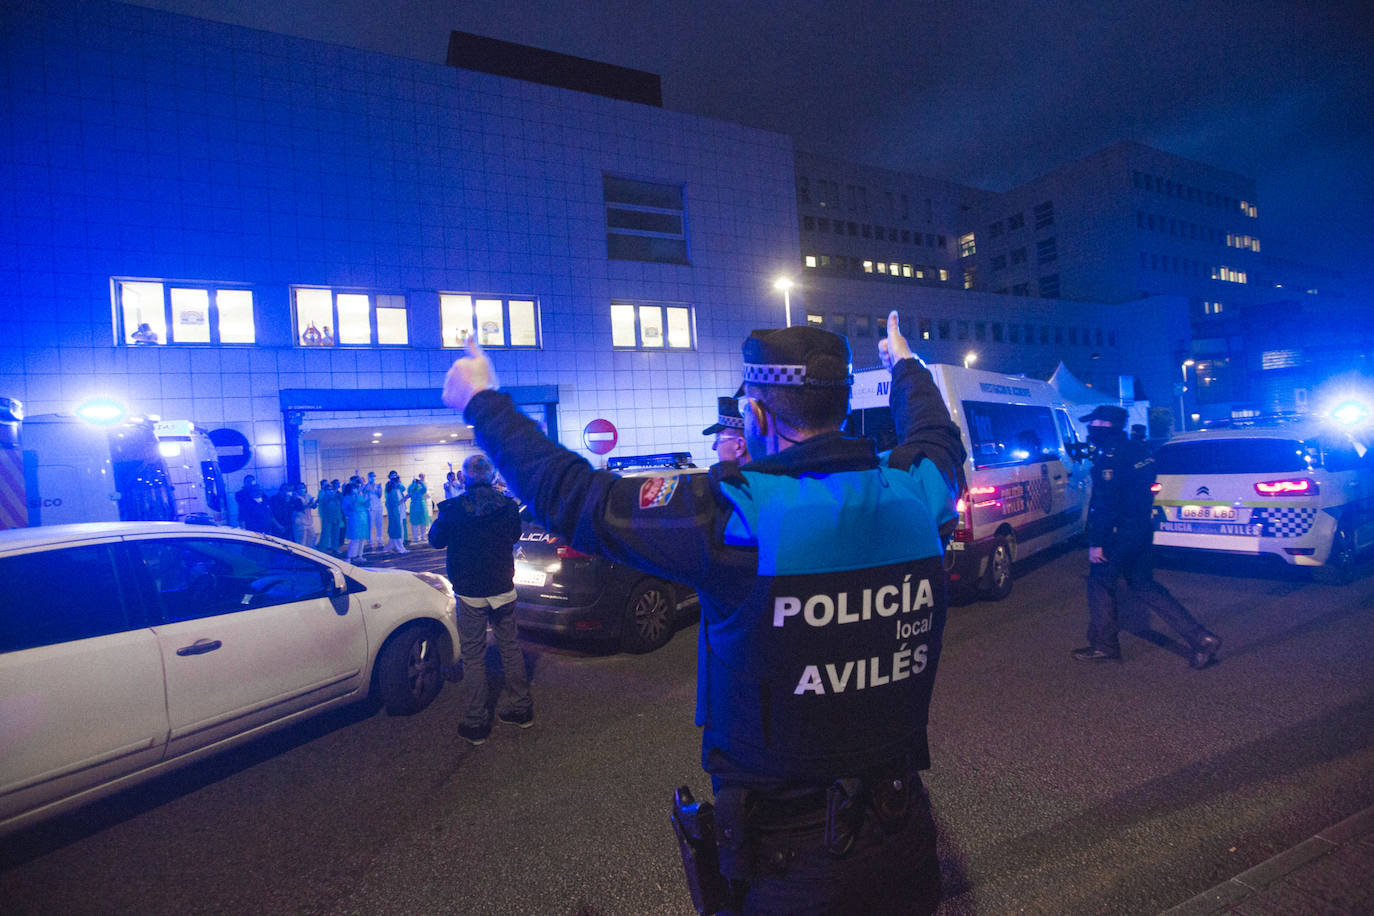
[1120, 544]
[818, 566]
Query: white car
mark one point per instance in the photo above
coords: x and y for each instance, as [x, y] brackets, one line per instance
[131, 648]
[1302, 492]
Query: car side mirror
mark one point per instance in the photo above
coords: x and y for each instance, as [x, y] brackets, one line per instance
[340, 583]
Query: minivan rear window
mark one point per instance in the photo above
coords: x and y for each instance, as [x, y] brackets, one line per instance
[1233, 456]
[1010, 434]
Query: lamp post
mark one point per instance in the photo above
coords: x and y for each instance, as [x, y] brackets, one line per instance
[970, 358]
[1182, 392]
[785, 284]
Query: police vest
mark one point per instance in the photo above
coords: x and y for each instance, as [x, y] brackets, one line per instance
[827, 670]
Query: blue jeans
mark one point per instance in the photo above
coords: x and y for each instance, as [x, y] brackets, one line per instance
[472, 635]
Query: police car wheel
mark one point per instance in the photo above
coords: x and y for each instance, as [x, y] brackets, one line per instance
[997, 581]
[648, 621]
[1340, 562]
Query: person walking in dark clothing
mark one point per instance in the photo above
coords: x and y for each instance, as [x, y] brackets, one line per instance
[479, 529]
[254, 512]
[823, 596]
[1121, 544]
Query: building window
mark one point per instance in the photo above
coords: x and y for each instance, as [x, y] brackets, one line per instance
[804, 189]
[839, 324]
[999, 262]
[1047, 250]
[815, 319]
[862, 326]
[1049, 287]
[980, 330]
[1044, 214]
[970, 277]
[644, 221]
[1020, 289]
[963, 330]
[1013, 333]
[497, 321]
[1229, 275]
[967, 246]
[1018, 255]
[944, 329]
[925, 326]
[153, 313]
[1016, 221]
[328, 318]
[651, 327]
[1216, 380]
[808, 224]
[944, 275]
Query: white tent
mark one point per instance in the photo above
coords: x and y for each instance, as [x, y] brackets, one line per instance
[1075, 392]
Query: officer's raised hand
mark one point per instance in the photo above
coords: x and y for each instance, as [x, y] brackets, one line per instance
[467, 376]
[893, 348]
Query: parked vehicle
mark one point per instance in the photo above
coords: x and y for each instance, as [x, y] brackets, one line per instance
[1023, 489]
[561, 590]
[131, 648]
[1302, 492]
[136, 470]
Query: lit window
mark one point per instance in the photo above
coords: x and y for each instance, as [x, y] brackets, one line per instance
[651, 327]
[906, 270]
[815, 319]
[496, 320]
[944, 275]
[967, 246]
[810, 260]
[868, 267]
[151, 313]
[325, 318]
[882, 267]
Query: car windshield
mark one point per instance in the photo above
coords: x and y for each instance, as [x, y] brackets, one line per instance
[1233, 456]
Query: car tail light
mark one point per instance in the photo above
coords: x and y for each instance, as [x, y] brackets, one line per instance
[567, 553]
[1299, 486]
[1156, 487]
[963, 529]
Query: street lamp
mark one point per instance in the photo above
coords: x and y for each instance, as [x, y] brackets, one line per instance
[970, 358]
[785, 284]
[1182, 389]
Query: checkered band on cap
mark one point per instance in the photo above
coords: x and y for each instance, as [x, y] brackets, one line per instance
[764, 374]
[732, 422]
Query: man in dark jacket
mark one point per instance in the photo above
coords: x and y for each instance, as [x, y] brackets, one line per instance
[823, 599]
[480, 529]
[1121, 544]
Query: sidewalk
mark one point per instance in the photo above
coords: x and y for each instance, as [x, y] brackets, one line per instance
[1331, 874]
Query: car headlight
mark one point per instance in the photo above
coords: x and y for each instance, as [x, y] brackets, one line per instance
[436, 581]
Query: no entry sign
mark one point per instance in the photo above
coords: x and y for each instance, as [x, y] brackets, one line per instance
[600, 436]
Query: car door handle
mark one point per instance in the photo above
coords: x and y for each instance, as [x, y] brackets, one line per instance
[200, 647]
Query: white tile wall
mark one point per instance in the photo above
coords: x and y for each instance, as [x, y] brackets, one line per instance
[137, 143]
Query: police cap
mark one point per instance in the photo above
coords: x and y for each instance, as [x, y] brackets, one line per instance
[800, 355]
[728, 417]
[1109, 412]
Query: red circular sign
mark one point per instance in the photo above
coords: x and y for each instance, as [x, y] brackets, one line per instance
[600, 436]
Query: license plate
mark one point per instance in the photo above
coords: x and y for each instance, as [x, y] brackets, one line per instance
[530, 577]
[1209, 513]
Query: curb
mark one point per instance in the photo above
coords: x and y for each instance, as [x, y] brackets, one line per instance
[1307, 854]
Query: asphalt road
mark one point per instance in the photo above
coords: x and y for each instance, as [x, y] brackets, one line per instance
[1061, 787]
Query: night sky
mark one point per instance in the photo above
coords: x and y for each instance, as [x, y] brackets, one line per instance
[987, 93]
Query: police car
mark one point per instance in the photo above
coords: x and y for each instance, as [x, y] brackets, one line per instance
[564, 591]
[1302, 492]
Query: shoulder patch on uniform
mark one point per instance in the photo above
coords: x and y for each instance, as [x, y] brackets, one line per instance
[656, 491]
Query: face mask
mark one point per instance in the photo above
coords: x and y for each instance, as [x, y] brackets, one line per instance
[1099, 435]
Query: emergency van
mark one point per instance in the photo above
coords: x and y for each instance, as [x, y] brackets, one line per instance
[1302, 492]
[1022, 488]
[135, 470]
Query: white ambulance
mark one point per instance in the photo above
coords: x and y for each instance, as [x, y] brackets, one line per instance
[1023, 490]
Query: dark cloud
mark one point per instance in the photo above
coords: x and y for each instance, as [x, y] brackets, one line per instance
[983, 92]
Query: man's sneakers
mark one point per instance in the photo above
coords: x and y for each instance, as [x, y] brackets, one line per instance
[1094, 654]
[1204, 650]
[474, 734]
[518, 719]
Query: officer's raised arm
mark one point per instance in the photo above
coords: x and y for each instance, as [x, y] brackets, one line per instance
[924, 427]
